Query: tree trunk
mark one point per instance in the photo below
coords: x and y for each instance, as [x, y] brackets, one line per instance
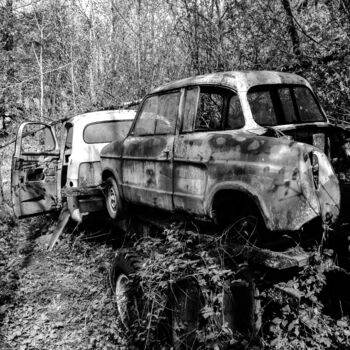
[39, 59]
[8, 45]
[1, 188]
[293, 33]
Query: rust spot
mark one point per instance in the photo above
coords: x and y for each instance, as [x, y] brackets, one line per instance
[150, 177]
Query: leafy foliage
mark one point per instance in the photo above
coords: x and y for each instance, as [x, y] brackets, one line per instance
[176, 255]
[297, 319]
[66, 57]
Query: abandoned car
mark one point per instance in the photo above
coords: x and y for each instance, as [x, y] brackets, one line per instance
[47, 175]
[230, 146]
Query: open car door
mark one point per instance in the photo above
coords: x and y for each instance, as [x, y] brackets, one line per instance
[35, 166]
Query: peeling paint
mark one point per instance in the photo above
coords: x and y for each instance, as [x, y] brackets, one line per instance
[185, 171]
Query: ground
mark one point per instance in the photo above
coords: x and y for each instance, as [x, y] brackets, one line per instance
[61, 300]
[54, 300]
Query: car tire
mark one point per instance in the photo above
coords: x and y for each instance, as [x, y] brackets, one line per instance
[113, 199]
[125, 291]
[184, 304]
[241, 304]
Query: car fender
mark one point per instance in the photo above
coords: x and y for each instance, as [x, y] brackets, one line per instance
[242, 187]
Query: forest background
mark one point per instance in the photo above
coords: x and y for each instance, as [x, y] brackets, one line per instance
[59, 58]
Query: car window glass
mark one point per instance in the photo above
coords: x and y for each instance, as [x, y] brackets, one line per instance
[37, 138]
[190, 109]
[158, 115]
[287, 105]
[307, 106]
[69, 138]
[262, 107]
[235, 119]
[210, 111]
[106, 132]
[146, 122]
[168, 107]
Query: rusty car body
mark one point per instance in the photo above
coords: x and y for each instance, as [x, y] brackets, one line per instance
[47, 173]
[226, 145]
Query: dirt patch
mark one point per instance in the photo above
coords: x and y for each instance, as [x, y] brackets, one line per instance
[55, 300]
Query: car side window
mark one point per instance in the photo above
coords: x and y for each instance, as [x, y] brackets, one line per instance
[37, 138]
[235, 118]
[146, 122]
[158, 115]
[167, 113]
[190, 109]
[262, 107]
[287, 105]
[210, 110]
[307, 106]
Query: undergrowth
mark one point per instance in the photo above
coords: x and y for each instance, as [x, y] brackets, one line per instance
[176, 255]
[61, 300]
[293, 312]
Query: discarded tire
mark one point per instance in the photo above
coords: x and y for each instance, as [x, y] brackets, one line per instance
[241, 305]
[124, 286]
[184, 305]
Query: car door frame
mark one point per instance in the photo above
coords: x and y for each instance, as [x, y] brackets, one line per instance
[155, 168]
[39, 195]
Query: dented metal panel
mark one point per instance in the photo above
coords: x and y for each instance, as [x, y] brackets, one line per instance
[266, 168]
[34, 168]
[147, 170]
[185, 171]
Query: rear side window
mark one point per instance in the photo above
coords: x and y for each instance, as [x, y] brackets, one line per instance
[287, 105]
[158, 115]
[283, 104]
[307, 106]
[262, 107]
[106, 132]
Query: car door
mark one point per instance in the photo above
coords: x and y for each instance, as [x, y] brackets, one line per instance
[35, 165]
[147, 159]
[208, 112]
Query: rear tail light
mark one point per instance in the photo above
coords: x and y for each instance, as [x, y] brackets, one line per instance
[89, 174]
[315, 169]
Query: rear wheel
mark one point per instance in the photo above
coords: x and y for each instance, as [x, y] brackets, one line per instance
[113, 200]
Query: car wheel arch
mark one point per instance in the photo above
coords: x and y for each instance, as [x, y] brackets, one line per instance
[243, 190]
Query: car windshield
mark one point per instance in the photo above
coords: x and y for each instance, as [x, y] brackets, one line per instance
[283, 104]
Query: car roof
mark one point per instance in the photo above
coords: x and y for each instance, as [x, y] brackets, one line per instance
[118, 114]
[238, 80]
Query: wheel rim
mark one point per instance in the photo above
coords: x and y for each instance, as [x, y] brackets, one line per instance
[122, 298]
[112, 199]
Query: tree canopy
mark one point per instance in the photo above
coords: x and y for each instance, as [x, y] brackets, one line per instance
[63, 57]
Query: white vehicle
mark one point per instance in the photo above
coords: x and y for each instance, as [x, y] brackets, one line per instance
[48, 175]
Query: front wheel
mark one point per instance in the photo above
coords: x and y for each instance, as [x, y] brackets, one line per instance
[113, 200]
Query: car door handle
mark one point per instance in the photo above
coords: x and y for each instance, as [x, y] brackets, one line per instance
[165, 154]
